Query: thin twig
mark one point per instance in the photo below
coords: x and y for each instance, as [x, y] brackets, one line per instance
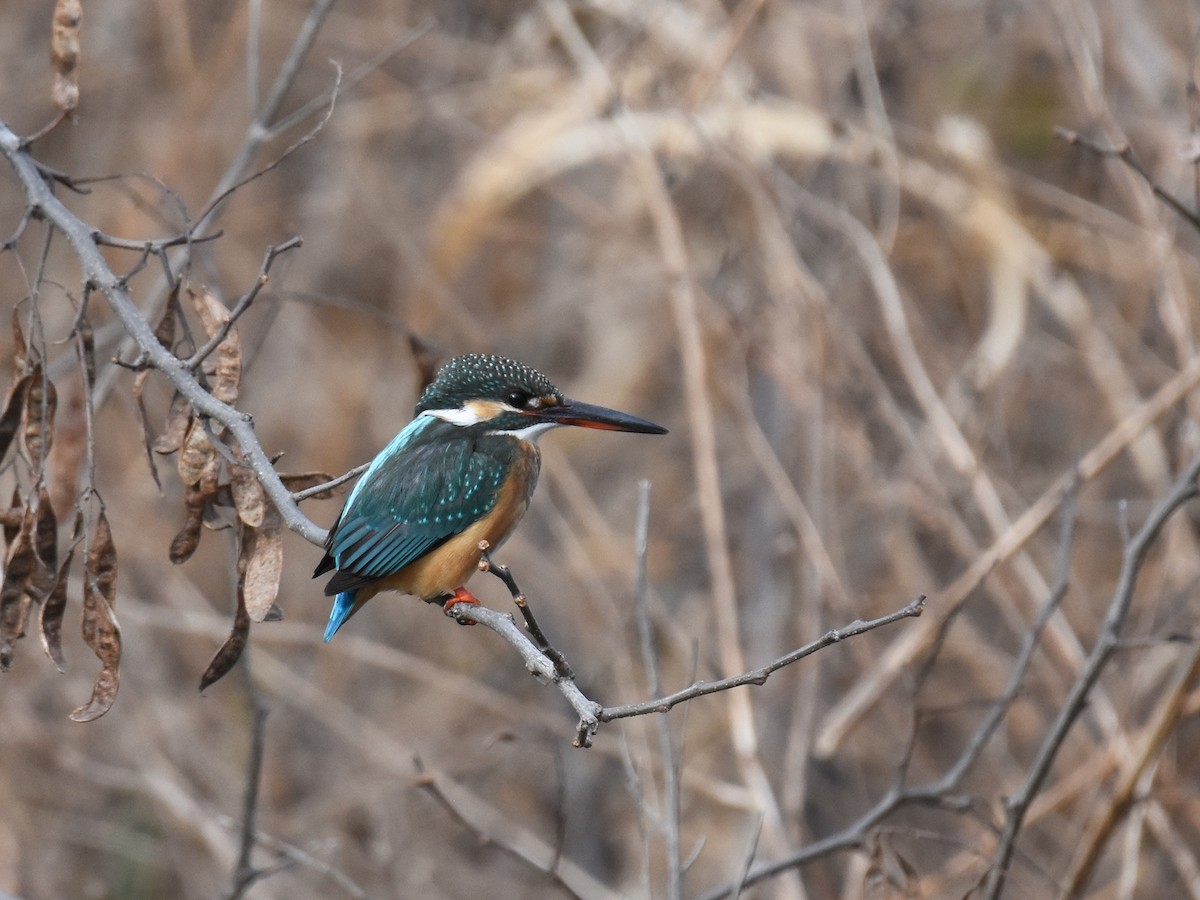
[245, 873]
[760, 675]
[1125, 154]
[561, 666]
[309, 136]
[243, 302]
[152, 246]
[329, 485]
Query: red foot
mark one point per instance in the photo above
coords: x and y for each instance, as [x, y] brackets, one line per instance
[460, 595]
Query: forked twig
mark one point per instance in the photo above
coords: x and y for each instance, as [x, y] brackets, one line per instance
[561, 666]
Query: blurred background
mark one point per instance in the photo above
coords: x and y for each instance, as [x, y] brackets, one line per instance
[835, 247]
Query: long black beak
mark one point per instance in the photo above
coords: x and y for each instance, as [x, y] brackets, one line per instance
[588, 415]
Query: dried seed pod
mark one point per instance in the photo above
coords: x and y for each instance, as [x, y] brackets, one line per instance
[196, 454]
[15, 601]
[14, 409]
[231, 651]
[248, 496]
[51, 618]
[179, 420]
[262, 561]
[100, 629]
[41, 401]
[45, 545]
[64, 54]
[214, 316]
[187, 540]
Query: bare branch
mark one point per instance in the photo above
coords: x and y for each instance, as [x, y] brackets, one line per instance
[760, 675]
[1184, 489]
[329, 485]
[592, 714]
[96, 272]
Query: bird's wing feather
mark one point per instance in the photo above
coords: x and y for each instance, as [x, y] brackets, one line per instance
[418, 496]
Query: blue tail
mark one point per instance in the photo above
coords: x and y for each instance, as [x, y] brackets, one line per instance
[343, 608]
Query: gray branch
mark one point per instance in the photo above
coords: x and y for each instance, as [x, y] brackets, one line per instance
[96, 272]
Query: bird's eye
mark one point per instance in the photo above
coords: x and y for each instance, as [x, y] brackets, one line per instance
[517, 399]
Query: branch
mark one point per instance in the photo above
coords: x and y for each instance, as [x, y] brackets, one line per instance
[538, 664]
[938, 792]
[760, 675]
[592, 714]
[1184, 489]
[331, 484]
[97, 273]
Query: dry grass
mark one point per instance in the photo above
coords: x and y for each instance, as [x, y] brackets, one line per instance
[838, 251]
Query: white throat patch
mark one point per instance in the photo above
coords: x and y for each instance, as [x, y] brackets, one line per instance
[533, 432]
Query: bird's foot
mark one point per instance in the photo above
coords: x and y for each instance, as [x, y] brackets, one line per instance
[460, 595]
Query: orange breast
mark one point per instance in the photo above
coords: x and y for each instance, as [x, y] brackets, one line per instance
[451, 564]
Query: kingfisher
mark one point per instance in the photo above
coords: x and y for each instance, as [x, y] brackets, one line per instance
[462, 471]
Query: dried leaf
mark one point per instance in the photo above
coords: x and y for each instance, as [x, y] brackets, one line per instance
[14, 407]
[262, 561]
[41, 401]
[100, 629]
[248, 495]
[15, 602]
[196, 454]
[51, 618]
[228, 355]
[304, 480]
[64, 54]
[179, 420]
[231, 651]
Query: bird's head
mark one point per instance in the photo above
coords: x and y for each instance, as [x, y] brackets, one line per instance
[509, 397]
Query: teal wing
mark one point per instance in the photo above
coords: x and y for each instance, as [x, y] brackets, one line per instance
[414, 497]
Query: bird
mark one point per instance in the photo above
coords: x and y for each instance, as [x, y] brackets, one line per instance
[462, 471]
